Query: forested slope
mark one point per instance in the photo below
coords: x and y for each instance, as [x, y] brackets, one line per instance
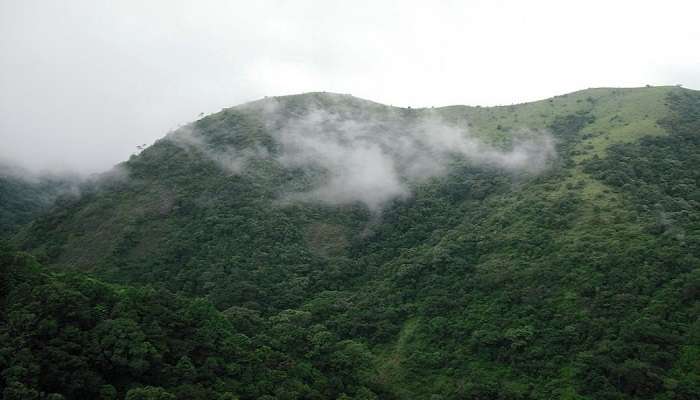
[575, 275]
[24, 196]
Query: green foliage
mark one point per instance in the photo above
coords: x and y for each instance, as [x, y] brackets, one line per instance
[23, 197]
[75, 336]
[580, 283]
[148, 393]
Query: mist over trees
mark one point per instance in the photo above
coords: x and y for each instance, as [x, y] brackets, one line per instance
[545, 250]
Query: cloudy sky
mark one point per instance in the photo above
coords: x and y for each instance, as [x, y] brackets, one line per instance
[83, 82]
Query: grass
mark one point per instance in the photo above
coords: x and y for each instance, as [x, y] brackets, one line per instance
[620, 116]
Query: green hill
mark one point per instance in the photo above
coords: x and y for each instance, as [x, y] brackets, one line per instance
[24, 196]
[534, 251]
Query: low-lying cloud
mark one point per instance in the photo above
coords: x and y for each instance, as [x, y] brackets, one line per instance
[230, 159]
[368, 156]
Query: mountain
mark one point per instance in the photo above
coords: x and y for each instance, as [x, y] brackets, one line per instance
[325, 246]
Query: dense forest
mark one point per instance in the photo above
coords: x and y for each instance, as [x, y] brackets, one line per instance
[24, 195]
[183, 275]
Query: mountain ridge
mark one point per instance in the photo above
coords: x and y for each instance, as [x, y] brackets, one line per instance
[588, 91]
[473, 277]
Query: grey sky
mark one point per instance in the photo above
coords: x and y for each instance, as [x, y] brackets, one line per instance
[83, 82]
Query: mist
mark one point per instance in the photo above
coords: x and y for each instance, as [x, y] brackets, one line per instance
[365, 152]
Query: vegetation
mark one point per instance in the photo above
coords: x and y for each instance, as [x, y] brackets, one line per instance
[23, 196]
[186, 281]
[71, 336]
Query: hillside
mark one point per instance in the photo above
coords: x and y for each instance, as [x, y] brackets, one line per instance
[24, 195]
[534, 251]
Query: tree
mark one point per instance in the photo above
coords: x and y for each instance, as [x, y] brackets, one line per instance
[185, 370]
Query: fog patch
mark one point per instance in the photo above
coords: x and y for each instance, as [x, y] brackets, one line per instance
[365, 153]
[230, 159]
[358, 170]
[41, 187]
[374, 159]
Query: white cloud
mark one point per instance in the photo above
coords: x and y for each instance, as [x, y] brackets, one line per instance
[362, 152]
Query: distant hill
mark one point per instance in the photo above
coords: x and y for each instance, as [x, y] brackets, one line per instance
[533, 251]
[25, 195]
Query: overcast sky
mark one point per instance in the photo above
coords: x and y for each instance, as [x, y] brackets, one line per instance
[83, 82]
